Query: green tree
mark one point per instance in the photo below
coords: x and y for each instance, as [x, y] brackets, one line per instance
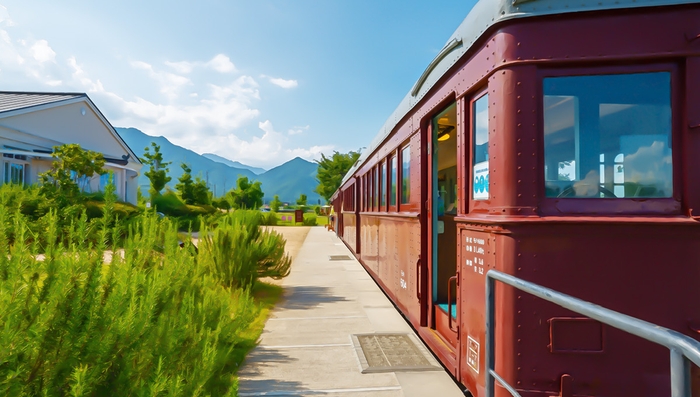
[275, 203]
[301, 202]
[158, 172]
[246, 194]
[186, 186]
[71, 172]
[200, 192]
[331, 171]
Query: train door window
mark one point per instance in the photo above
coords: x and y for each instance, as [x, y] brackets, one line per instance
[608, 136]
[406, 175]
[393, 181]
[480, 137]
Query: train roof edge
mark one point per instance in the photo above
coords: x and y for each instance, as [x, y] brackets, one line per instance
[484, 15]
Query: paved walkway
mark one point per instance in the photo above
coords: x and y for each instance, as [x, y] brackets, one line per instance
[306, 348]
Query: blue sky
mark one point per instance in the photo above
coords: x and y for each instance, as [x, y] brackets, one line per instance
[259, 82]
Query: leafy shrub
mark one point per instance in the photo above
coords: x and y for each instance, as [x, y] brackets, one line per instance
[221, 203]
[238, 252]
[310, 220]
[149, 323]
[169, 204]
[269, 219]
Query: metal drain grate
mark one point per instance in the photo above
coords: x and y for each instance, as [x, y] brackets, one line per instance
[339, 258]
[392, 353]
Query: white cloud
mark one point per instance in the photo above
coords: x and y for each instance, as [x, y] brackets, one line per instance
[54, 83]
[5, 17]
[82, 78]
[270, 149]
[222, 64]
[297, 130]
[42, 52]
[170, 83]
[181, 67]
[283, 83]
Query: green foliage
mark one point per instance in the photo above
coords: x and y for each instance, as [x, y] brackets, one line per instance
[186, 186]
[301, 202]
[269, 219]
[170, 204]
[201, 193]
[221, 203]
[246, 194]
[317, 209]
[310, 220]
[150, 323]
[188, 215]
[158, 171]
[70, 173]
[331, 171]
[275, 203]
[238, 252]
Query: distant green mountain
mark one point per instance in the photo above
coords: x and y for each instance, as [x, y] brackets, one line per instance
[288, 180]
[234, 164]
[291, 179]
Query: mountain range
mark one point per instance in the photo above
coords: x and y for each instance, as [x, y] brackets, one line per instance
[288, 180]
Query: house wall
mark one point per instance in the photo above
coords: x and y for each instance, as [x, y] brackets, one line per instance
[67, 124]
[44, 128]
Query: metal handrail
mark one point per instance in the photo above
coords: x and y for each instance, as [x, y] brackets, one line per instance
[683, 349]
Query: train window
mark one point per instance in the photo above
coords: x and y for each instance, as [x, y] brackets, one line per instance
[382, 185]
[376, 189]
[608, 136]
[480, 131]
[392, 179]
[406, 175]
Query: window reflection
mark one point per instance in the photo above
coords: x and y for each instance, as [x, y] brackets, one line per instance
[392, 198]
[406, 175]
[608, 136]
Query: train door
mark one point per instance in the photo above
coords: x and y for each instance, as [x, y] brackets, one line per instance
[443, 233]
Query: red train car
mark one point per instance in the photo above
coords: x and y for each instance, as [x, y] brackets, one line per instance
[555, 141]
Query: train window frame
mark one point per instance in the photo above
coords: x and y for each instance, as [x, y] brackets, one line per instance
[476, 205]
[368, 190]
[382, 186]
[392, 178]
[371, 190]
[617, 206]
[401, 189]
[376, 188]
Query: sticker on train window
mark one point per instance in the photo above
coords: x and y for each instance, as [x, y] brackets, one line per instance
[481, 181]
[480, 163]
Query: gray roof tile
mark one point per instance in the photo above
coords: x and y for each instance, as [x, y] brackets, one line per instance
[19, 100]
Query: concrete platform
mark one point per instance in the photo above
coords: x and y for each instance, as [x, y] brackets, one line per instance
[306, 348]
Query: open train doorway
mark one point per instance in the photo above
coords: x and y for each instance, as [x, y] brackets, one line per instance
[443, 241]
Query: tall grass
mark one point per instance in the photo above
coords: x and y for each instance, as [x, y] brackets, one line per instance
[157, 320]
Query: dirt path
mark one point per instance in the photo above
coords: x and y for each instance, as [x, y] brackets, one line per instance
[295, 236]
